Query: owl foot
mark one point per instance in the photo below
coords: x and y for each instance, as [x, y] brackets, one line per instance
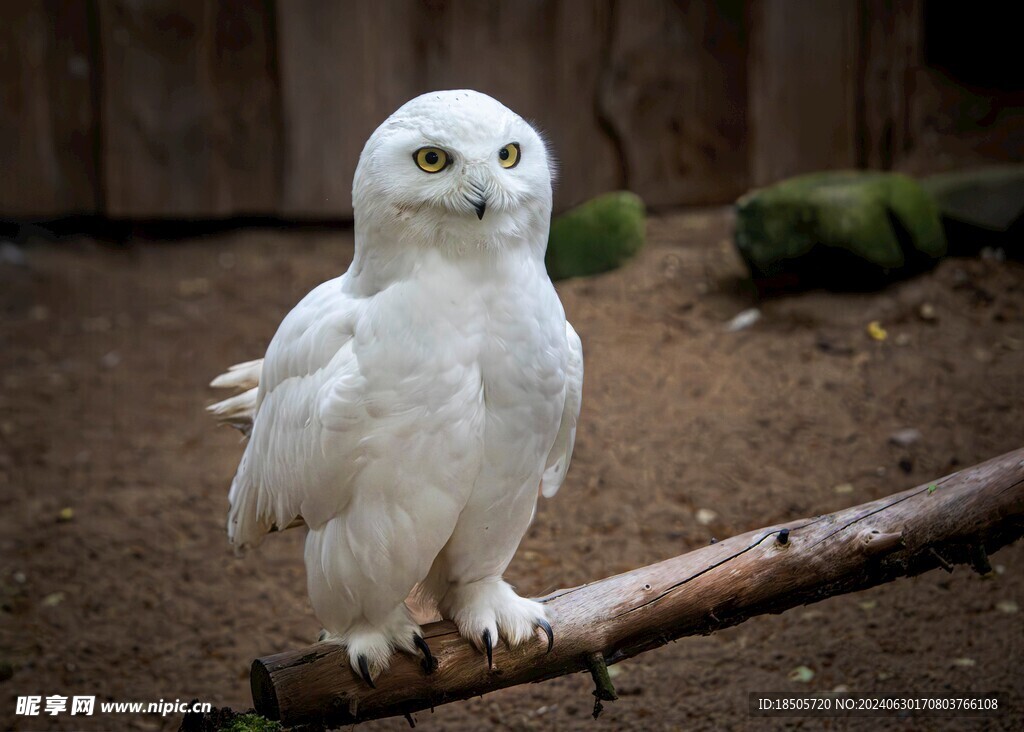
[489, 610]
[370, 647]
[490, 649]
[429, 663]
[546, 627]
[364, 671]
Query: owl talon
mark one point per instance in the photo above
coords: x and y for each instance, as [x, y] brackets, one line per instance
[546, 627]
[489, 648]
[364, 670]
[429, 662]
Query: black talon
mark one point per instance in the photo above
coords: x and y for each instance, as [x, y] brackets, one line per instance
[546, 626]
[490, 649]
[429, 664]
[364, 669]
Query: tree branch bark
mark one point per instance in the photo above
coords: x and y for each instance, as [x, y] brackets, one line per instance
[957, 519]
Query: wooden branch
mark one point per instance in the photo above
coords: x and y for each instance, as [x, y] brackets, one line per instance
[958, 519]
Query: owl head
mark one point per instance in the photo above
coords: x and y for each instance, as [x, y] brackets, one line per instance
[454, 169]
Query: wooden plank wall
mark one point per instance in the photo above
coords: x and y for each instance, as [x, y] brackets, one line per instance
[48, 123]
[190, 108]
[215, 108]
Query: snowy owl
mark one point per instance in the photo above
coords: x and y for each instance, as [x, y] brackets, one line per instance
[410, 410]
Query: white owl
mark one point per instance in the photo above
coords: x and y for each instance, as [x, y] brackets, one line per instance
[410, 409]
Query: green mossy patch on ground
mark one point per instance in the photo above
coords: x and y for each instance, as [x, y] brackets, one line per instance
[596, 236]
[849, 230]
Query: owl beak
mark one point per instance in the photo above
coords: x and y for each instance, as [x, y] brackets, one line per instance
[479, 200]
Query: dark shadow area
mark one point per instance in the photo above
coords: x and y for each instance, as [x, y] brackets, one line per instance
[118, 231]
[975, 44]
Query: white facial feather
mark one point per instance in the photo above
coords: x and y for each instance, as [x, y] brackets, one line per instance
[401, 203]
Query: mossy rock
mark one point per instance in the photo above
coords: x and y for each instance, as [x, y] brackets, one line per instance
[991, 197]
[981, 207]
[844, 230]
[596, 236]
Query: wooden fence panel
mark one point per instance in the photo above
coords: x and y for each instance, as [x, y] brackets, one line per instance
[803, 90]
[344, 68]
[190, 108]
[341, 77]
[676, 99]
[217, 108]
[47, 118]
[892, 46]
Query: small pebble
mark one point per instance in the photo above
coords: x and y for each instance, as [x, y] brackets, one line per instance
[964, 662]
[1007, 606]
[905, 437]
[705, 516]
[844, 488]
[801, 674]
[111, 360]
[66, 514]
[743, 320]
[53, 599]
[927, 311]
[19, 577]
[11, 254]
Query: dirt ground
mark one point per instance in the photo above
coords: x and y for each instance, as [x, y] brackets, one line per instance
[688, 431]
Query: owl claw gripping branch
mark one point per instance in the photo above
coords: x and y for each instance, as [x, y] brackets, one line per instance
[409, 409]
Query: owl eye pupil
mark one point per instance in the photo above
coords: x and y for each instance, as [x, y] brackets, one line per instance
[431, 158]
[503, 154]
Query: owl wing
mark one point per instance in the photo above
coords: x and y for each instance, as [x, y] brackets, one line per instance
[561, 452]
[283, 473]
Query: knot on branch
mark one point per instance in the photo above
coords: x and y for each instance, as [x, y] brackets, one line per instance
[873, 541]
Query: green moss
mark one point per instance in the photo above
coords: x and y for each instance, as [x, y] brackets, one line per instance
[845, 228]
[252, 723]
[596, 236]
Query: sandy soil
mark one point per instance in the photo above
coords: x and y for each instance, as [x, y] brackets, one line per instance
[105, 352]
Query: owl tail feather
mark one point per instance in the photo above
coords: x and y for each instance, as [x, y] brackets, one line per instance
[238, 411]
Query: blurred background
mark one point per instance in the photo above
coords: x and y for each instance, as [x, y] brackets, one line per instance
[259, 108]
[176, 174]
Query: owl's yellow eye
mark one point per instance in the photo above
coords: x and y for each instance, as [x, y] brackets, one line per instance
[431, 159]
[508, 156]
